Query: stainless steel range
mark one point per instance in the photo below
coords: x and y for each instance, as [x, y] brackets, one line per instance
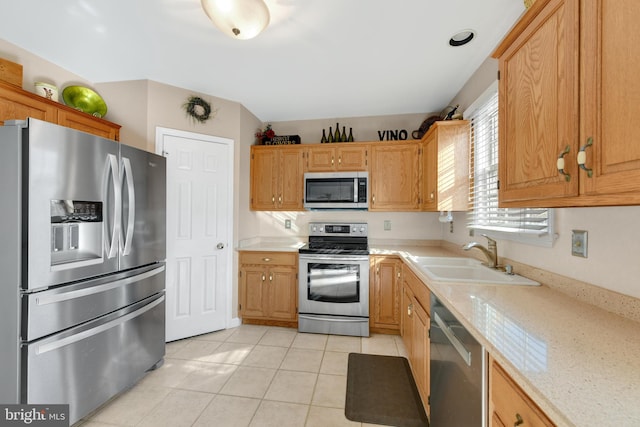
[334, 280]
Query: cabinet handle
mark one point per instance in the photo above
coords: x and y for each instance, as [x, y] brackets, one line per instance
[340, 160]
[271, 277]
[373, 199]
[398, 274]
[409, 309]
[331, 160]
[432, 195]
[266, 259]
[273, 199]
[519, 421]
[560, 164]
[263, 277]
[280, 199]
[582, 157]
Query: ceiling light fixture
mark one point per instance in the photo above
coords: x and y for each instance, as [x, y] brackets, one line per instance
[461, 38]
[239, 19]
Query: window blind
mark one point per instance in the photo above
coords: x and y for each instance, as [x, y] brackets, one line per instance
[485, 213]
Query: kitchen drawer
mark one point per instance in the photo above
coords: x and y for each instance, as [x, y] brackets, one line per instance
[419, 289]
[269, 258]
[510, 403]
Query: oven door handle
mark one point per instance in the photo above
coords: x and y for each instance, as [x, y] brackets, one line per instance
[334, 258]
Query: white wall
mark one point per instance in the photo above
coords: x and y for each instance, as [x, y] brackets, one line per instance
[404, 225]
[613, 232]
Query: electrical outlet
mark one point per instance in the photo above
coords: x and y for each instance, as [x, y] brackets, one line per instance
[579, 243]
[287, 224]
[387, 224]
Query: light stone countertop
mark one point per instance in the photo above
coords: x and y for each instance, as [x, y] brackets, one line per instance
[578, 362]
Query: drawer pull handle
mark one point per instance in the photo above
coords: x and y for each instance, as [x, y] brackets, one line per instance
[519, 421]
[582, 157]
[560, 164]
[266, 259]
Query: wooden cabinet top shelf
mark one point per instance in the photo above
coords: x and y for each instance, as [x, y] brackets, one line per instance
[18, 104]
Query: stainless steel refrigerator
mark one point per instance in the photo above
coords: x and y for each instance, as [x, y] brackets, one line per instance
[82, 267]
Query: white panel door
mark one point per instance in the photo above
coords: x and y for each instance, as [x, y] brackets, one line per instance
[199, 224]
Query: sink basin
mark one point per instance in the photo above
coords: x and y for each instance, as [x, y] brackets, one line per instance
[467, 270]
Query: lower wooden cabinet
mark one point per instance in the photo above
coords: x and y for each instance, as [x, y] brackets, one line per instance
[268, 292]
[415, 331]
[509, 404]
[385, 279]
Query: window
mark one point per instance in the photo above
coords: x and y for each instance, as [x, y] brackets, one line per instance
[526, 225]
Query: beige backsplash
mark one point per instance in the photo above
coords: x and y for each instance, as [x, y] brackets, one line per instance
[614, 302]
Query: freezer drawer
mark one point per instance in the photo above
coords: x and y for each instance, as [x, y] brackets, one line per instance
[60, 308]
[87, 365]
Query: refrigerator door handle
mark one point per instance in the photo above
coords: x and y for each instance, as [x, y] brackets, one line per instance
[111, 243]
[55, 344]
[131, 217]
[48, 298]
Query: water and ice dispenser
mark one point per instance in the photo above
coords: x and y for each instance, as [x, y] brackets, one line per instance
[76, 233]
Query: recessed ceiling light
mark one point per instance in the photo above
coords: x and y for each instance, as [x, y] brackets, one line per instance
[462, 37]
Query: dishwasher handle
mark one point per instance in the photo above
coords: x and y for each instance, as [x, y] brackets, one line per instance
[457, 344]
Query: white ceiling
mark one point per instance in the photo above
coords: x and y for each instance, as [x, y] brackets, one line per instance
[316, 59]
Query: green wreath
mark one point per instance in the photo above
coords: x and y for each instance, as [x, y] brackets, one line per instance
[198, 109]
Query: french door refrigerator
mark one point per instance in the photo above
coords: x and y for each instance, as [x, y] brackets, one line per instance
[82, 271]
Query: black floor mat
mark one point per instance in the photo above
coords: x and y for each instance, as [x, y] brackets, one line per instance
[381, 390]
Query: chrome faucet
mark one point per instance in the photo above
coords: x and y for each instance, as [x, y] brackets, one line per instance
[491, 252]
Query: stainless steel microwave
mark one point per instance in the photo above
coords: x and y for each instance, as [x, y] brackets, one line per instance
[336, 190]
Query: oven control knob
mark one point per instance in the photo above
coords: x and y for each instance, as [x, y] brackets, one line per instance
[362, 229]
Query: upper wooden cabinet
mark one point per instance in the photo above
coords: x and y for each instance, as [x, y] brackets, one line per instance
[277, 177]
[445, 167]
[568, 90]
[18, 104]
[395, 176]
[333, 158]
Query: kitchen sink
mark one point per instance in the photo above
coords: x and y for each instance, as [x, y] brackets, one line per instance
[467, 270]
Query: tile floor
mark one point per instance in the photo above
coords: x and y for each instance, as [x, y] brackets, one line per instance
[246, 376]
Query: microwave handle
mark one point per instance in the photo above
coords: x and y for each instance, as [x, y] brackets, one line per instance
[356, 183]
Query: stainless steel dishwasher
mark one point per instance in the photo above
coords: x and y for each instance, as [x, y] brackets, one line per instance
[458, 372]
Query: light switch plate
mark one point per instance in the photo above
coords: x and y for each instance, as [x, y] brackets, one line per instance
[287, 223]
[579, 243]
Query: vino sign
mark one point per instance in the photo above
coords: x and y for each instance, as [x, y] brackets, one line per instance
[393, 135]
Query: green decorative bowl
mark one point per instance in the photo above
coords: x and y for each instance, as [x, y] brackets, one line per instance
[84, 99]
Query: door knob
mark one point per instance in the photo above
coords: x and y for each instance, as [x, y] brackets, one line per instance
[220, 245]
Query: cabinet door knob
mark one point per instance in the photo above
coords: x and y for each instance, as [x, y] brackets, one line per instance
[519, 421]
[582, 157]
[560, 164]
